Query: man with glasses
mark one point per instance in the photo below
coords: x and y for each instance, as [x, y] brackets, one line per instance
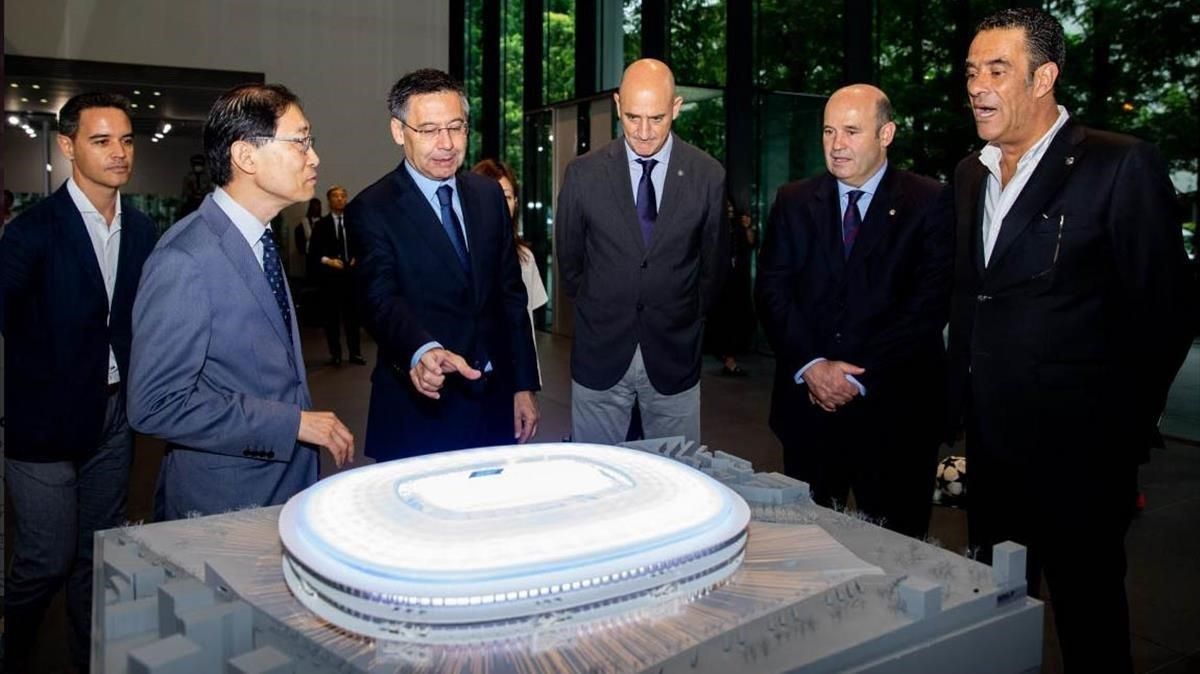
[217, 369]
[1065, 329]
[441, 290]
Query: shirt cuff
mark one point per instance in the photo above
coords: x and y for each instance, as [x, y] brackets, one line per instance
[425, 348]
[799, 376]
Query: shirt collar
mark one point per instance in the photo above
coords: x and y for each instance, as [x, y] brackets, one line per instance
[990, 155]
[84, 205]
[663, 156]
[248, 225]
[428, 186]
[868, 187]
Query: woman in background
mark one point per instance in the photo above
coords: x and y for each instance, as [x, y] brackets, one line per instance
[501, 173]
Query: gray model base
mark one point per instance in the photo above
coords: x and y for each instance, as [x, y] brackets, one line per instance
[208, 595]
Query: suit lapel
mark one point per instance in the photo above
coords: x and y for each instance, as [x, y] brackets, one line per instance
[126, 282]
[1046, 181]
[826, 216]
[883, 211]
[415, 213]
[473, 215]
[619, 181]
[969, 193]
[79, 241]
[678, 171]
[241, 256]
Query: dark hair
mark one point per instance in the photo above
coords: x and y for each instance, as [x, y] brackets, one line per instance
[423, 81]
[496, 169]
[329, 192]
[242, 113]
[1044, 40]
[68, 116]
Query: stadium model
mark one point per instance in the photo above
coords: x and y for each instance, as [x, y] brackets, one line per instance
[480, 544]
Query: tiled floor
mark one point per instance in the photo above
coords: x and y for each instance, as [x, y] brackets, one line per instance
[1163, 544]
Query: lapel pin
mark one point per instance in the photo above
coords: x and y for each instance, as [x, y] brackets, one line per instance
[680, 174]
[1070, 160]
[892, 211]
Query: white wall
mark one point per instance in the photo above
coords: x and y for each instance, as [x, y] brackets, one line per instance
[339, 57]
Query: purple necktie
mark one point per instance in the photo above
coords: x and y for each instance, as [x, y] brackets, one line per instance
[647, 206]
[851, 221]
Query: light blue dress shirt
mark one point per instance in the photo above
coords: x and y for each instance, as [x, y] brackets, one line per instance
[864, 202]
[658, 176]
[247, 225]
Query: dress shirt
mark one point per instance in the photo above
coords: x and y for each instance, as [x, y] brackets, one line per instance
[864, 202]
[658, 176]
[106, 244]
[999, 200]
[245, 222]
[339, 233]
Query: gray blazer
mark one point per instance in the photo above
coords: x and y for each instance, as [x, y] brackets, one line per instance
[626, 293]
[216, 373]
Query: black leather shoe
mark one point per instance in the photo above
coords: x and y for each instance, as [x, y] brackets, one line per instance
[358, 360]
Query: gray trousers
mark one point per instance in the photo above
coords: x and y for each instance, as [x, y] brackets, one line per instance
[57, 508]
[602, 417]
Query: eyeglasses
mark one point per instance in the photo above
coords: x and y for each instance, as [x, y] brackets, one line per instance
[305, 144]
[428, 133]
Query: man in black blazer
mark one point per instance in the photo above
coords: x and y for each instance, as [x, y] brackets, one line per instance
[640, 240]
[1064, 330]
[853, 290]
[329, 261]
[441, 291]
[69, 269]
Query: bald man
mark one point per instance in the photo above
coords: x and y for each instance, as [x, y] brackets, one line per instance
[638, 237]
[853, 291]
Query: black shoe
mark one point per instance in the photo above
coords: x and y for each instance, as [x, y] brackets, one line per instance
[358, 360]
[734, 371]
[335, 361]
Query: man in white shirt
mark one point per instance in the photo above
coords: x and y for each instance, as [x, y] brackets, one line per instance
[1064, 329]
[217, 369]
[69, 268]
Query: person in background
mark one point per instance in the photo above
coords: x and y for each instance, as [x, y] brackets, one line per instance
[730, 326]
[329, 264]
[196, 185]
[501, 173]
[304, 229]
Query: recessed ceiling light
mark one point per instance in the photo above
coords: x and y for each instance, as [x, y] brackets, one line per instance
[43, 100]
[154, 140]
[24, 100]
[133, 104]
[158, 93]
[37, 86]
[13, 120]
[137, 92]
[13, 85]
[151, 106]
[158, 134]
[167, 128]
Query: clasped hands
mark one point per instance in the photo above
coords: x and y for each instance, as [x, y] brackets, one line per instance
[828, 387]
[429, 376]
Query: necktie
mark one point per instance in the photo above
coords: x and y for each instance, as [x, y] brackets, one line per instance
[453, 228]
[647, 205]
[341, 235]
[274, 273]
[851, 221]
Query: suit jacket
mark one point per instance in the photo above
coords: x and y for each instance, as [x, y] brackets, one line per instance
[324, 243]
[216, 373]
[58, 326]
[413, 290]
[626, 293]
[883, 308]
[1069, 338]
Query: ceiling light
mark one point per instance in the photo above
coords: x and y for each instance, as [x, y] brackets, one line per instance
[158, 134]
[37, 86]
[13, 85]
[137, 92]
[42, 100]
[154, 140]
[158, 93]
[24, 100]
[13, 120]
[167, 127]
[133, 104]
[151, 106]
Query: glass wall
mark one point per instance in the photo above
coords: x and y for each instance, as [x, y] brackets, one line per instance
[559, 51]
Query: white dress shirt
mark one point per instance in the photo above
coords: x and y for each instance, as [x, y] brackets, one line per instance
[106, 243]
[247, 225]
[998, 200]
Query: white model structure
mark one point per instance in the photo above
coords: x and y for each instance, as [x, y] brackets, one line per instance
[476, 545]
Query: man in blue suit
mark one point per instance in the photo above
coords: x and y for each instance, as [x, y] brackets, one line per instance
[441, 289]
[217, 369]
[854, 290]
[69, 269]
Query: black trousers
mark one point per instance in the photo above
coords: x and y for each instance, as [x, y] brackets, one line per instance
[340, 311]
[1072, 515]
[886, 456]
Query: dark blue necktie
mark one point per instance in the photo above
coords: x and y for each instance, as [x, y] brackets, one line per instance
[453, 228]
[274, 273]
[851, 221]
[647, 205]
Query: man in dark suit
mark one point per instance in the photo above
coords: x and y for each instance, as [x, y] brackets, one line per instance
[641, 246]
[853, 290]
[330, 261]
[217, 371]
[1063, 331]
[441, 289]
[69, 269]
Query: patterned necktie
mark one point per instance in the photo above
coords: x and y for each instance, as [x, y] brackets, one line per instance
[647, 205]
[453, 228]
[274, 273]
[851, 221]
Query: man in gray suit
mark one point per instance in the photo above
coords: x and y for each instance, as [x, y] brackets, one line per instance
[639, 239]
[216, 368]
